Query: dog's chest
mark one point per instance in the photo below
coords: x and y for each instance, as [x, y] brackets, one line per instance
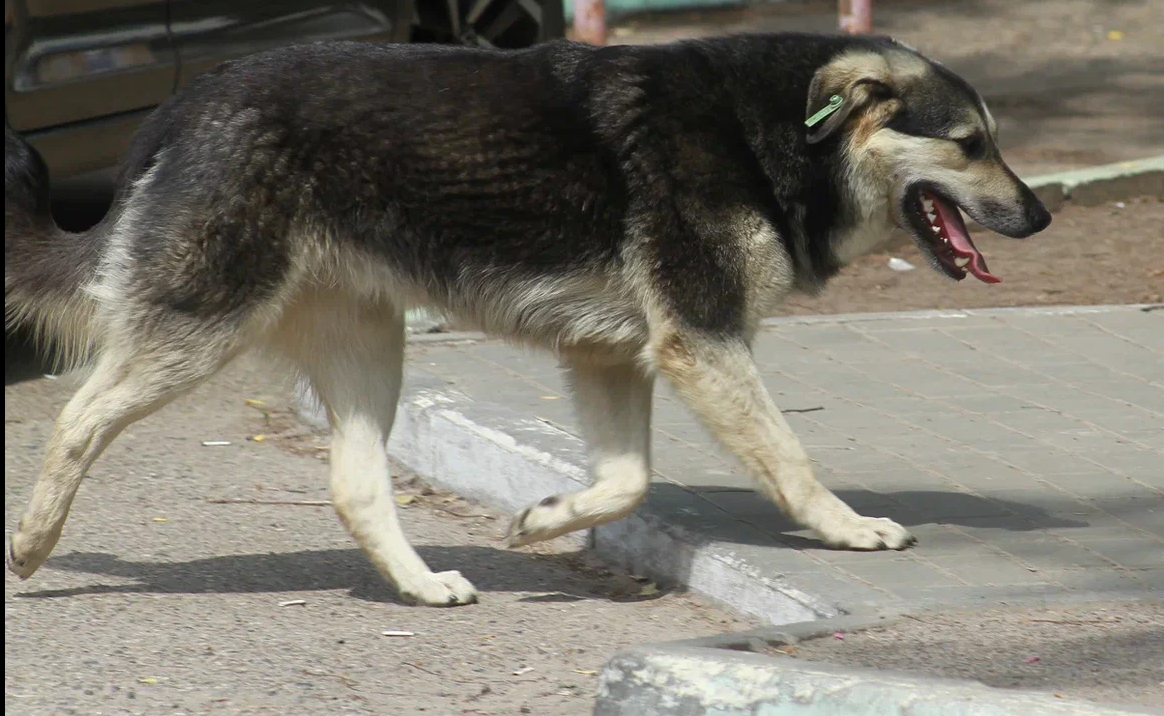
[853, 243]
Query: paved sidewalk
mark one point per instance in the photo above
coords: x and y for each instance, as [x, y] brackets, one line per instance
[1023, 447]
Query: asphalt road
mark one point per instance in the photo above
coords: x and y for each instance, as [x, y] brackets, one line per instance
[160, 601]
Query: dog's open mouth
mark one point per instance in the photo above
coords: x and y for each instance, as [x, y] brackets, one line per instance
[944, 233]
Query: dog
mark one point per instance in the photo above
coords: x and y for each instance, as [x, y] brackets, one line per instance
[636, 210]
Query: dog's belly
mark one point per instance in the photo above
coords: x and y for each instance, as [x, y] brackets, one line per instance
[556, 312]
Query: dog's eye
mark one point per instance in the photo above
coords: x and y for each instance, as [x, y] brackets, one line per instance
[974, 147]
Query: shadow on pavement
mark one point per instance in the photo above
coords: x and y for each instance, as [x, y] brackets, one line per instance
[490, 570]
[21, 361]
[908, 507]
[493, 569]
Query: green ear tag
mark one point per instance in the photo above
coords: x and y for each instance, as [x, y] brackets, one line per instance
[834, 104]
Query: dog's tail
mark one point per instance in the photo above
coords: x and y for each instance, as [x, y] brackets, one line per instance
[45, 267]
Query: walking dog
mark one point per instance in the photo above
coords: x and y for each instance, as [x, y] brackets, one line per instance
[637, 210]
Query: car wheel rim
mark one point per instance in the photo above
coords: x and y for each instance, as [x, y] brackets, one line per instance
[507, 24]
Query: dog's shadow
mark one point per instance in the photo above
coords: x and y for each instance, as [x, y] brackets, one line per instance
[490, 570]
[908, 507]
[721, 512]
[714, 513]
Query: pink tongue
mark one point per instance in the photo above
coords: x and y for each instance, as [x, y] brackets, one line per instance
[960, 240]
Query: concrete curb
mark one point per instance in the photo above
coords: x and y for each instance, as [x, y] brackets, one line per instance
[1099, 184]
[693, 681]
[954, 313]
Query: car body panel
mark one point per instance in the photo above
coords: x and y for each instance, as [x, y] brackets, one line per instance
[207, 32]
[74, 61]
[81, 75]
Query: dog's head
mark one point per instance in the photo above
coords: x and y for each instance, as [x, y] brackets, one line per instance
[917, 144]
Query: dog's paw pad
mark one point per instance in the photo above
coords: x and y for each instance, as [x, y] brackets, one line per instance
[20, 562]
[551, 517]
[440, 589]
[871, 534]
[517, 533]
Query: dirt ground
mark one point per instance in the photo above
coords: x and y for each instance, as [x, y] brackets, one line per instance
[1072, 83]
[1111, 652]
[1088, 256]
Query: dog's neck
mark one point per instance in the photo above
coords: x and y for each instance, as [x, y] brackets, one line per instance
[811, 195]
[808, 192]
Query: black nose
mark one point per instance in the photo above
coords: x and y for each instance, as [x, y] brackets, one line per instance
[1037, 216]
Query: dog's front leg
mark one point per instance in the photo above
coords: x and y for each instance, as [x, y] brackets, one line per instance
[717, 378]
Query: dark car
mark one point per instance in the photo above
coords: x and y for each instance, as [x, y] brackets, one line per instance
[80, 75]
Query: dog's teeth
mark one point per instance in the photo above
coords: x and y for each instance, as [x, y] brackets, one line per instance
[931, 216]
[936, 229]
[961, 261]
[929, 205]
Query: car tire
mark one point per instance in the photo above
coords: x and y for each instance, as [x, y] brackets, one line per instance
[506, 24]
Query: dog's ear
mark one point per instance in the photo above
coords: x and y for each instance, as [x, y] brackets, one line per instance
[854, 95]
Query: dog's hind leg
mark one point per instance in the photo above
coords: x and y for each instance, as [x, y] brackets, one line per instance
[613, 403]
[717, 378]
[356, 367]
[130, 380]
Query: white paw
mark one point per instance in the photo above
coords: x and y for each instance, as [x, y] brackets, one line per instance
[868, 533]
[24, 555]
[439, 589]
[552, 517]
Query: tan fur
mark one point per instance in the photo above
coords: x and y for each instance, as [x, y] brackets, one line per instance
[769, 275]
[889, 156]
[882, 160]
[613, 401]
[64, 324]
[360, 387]
[721, 384]
[70, 322]
[891, 67]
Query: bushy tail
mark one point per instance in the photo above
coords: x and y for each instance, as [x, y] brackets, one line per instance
[45, 267]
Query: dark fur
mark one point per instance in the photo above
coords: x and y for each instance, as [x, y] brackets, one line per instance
[446, 162]
[38, 257]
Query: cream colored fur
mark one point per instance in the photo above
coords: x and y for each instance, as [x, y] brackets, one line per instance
[613, 402]
[359, 384]
[721, 384]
